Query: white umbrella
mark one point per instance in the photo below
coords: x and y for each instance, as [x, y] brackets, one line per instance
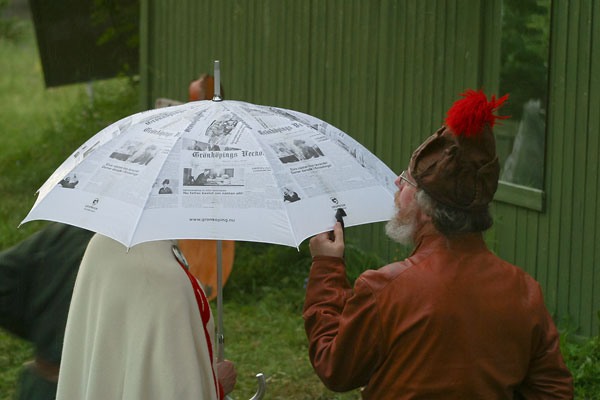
[217, 170]
[225, 170]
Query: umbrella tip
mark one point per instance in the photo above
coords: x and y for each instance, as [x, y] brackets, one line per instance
[217, 73]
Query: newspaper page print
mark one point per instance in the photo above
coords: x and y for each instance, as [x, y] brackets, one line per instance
[119, 171]
[303, 157]
[363, 156]
[228, 155]
[216, 164]
[315, 165]
[66, 177]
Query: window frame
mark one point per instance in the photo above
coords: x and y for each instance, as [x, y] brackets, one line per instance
[491, 40]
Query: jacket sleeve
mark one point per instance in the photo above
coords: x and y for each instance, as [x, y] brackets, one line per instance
[547, 376]
[342, 326]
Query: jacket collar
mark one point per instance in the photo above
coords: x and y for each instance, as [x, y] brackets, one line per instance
[428, 239]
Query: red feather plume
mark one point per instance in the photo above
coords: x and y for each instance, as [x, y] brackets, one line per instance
[468, 116]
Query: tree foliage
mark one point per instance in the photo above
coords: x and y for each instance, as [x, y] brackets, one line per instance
[524, 53]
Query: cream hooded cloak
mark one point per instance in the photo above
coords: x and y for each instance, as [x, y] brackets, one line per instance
[134, 329]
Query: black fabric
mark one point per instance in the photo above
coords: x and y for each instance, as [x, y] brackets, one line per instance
[36, 283]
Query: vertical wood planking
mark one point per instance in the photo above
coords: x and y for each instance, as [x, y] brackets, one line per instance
[440, 65]
[385, 76]
[489, 73]
[591, 236]
[418, 76]
[386, 72]
[256, 85]
[490, 236]
[170, 59]
[568, 152]
[251, 44]
[521, 238]
[461, 48]
[261, 73]
[317, 59]
[410, 109]
[357, 62]
[579, 160]
[555, 143]
[506, 221]
[428, 88]
[577, 302]
[471, 28]
[348, 78]
[450, 65]
[145, 60]
[401, 134]
[283, 43]
[533, 230]
[234, 86]
[368, 120]
[302, 60]
[491, 43]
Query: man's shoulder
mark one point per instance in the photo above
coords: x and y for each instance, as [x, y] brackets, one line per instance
[378, 279]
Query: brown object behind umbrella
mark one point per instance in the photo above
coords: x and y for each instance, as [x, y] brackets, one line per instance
[203, 88]
[201, 256]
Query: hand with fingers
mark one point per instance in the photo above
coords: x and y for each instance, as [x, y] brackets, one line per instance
[227, 375]
[328, 244]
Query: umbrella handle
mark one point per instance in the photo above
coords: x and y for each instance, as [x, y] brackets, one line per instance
[262, 388]
[339, 214]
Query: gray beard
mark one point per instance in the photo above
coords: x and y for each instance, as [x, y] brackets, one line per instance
[401, 231]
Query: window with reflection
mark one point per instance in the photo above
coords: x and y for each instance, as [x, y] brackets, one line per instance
[524, 75]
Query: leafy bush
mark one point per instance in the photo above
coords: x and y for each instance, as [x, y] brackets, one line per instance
[582, 356]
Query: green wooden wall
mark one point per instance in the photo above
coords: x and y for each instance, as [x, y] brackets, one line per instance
[386, 71]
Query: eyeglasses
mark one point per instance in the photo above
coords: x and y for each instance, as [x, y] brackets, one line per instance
[404, 177]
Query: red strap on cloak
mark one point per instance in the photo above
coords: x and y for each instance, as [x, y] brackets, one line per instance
[204, 309]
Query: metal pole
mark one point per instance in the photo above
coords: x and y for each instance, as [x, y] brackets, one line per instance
[220, 335]
[217, 96]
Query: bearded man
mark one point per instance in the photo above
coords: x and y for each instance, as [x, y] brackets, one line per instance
[452, 321]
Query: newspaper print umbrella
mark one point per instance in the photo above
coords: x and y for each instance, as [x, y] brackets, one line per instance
[217, 170]
[224, 170]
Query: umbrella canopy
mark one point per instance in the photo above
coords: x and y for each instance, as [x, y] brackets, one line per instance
[217, 170]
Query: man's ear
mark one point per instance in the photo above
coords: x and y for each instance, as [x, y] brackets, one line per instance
[422, 217]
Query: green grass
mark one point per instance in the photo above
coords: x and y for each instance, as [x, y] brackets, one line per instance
[264, 296]
[263, 322]
[13, 353]
[267, 335]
